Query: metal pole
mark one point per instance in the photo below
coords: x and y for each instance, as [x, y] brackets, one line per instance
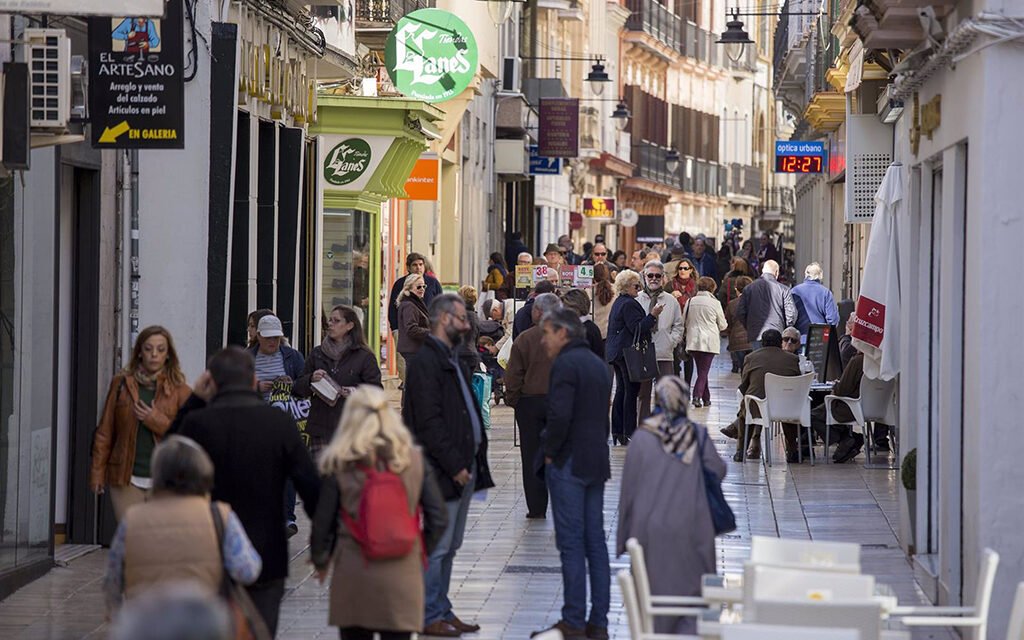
[135, 275]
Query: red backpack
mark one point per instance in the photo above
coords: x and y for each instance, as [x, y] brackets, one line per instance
[384, 528]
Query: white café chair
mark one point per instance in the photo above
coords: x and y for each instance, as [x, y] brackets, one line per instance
[636, 630]
[841, 557]
[863, 616]
[877, 403]
[787, 399]
[650, 605]
[785, 632]
[768, 584]
[1015, 630]
[974, 616]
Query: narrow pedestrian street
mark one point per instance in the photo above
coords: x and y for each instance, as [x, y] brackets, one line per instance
[507, 574]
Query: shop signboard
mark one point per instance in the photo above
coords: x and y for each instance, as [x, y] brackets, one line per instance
[559, 127]
[348, 162]
[800, 156]
[136, 85]
[541, 166]
[584, 276]
[566, 274]
[154, 8]
[540, 272]
[524, 276]
[599, 208]
[431, 55]
[424, 181]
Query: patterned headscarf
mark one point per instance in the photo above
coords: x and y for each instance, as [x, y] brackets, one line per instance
[669, 421]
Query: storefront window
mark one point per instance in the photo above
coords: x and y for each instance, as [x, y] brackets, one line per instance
[346, 261]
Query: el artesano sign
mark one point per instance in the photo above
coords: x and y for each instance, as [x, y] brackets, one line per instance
[431, 55]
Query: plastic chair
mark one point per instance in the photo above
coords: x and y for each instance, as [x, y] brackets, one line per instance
[761, 583]
[1015, 630]
[750, 421]
[636, 631]
[785, 632]
[652, 605]
[975, 616]
[787, 399]
[877, 403]
[840, 557]
[862, 616]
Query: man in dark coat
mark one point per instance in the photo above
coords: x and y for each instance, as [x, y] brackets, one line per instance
[446, 420]
[770, 358]
[766, 304]
[255, 448]
[575, 445]
[414, 263]
[526, 390]
[524, 317]
[513, 247]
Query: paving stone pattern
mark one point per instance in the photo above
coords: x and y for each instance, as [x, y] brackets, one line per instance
[507, 576]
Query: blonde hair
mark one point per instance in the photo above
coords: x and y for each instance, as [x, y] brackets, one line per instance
[469, 295]
[410, 282]
[626, 281]
[370, 431]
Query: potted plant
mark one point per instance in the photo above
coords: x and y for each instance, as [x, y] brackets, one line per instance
[908, 477]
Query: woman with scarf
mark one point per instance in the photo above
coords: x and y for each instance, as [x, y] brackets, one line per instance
[343, 357]
[674, 527]
[143, 400]
[684, 287]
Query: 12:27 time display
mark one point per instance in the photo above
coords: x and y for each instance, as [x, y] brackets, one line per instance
[799, 164]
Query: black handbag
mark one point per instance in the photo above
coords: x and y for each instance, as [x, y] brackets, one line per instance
[641, 359]
[680, 352]
[722, 517]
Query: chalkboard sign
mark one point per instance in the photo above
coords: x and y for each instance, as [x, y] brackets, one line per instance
[822, 350]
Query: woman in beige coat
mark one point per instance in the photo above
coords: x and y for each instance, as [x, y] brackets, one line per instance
[373, 596]
[704, 325]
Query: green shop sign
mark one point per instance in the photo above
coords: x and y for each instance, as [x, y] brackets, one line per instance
[431, 55]
[347, 162]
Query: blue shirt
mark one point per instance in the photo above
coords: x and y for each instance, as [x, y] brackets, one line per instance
[814, 305]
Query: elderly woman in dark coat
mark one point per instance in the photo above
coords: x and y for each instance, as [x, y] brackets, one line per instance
[674, 527]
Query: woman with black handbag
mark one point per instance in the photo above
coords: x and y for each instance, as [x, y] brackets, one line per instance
[630, 350]
[676, 528]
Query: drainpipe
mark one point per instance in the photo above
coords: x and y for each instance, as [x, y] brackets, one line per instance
[132, 170]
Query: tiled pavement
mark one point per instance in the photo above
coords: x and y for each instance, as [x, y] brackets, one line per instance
[507, 576]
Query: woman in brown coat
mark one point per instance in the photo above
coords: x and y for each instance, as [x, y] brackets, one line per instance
[739, 342]
[373, 596]
[413, 324]
[143, 400]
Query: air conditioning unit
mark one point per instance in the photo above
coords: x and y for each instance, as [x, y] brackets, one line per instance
[48, 54]
[868, 156]
[510, 70]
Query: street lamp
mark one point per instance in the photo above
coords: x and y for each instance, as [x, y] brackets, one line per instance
[621, 115]
[597, 77]
[735, 38]
[672, 160]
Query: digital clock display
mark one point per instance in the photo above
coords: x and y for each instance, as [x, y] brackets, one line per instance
[799, 164]
[798, 156]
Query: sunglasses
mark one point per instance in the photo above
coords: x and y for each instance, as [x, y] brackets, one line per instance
[684, 268]
[600, 254]
[654, 276]
[419, 287]
[793, 340]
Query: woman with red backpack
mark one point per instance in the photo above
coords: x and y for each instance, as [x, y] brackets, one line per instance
[376, 491]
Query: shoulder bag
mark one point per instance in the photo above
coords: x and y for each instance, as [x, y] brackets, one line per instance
[722, 517]
[245, 617]
[641, 358]
[681, 354]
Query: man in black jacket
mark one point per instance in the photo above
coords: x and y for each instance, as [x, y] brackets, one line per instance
[524, 317]
[575, 445]
[443, 415]
[255, 448]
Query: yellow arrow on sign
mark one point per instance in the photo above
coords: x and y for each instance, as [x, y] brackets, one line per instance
[111, 134]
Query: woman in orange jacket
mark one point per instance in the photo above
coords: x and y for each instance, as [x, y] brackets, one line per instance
[143, 399]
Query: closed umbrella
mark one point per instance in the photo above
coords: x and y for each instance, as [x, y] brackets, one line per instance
[876, 332]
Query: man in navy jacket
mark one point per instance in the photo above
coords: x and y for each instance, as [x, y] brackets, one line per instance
[575, 446]
[814, 302]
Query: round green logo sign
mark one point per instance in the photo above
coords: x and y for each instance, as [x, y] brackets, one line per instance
[431, 55]
[347, 162]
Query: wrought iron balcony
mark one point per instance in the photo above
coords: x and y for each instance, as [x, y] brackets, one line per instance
[649, 159]
[700, 44]
[654, 19]
[376, 12]
[744, 180]
[777, 202]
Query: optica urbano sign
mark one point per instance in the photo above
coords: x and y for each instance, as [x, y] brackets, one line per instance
[431, 55]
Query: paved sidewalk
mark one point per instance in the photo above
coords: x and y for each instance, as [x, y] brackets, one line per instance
[507, 574]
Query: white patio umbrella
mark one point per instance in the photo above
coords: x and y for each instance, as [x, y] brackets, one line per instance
[876, 332]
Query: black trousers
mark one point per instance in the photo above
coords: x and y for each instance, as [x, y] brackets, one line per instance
[359, 633]
[267, 596]
[530, 413]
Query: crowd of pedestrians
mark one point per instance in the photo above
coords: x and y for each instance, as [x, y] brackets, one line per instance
[205, 480]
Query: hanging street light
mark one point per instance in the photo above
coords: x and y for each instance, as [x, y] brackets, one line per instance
[735, 38]
[621, 115]
[598, 77]
[672, 160]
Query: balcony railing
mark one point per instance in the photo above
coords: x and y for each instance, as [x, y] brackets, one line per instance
[700, 44]
[387, 11]
[656, 20]
[649, 159]
[778, 200]
[744, 180]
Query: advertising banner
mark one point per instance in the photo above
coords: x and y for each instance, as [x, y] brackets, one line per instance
[559, 127]
[348, 162]
[541, 166]
[599, 208]
[584, 276]
[424, 181]
[524, 276]
[136, 86]
[431, 55]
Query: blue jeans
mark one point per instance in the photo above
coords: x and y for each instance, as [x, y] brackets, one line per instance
[438, 575]
[578, 509]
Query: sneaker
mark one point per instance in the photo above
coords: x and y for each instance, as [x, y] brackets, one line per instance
[292, 529]
[567, 631]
